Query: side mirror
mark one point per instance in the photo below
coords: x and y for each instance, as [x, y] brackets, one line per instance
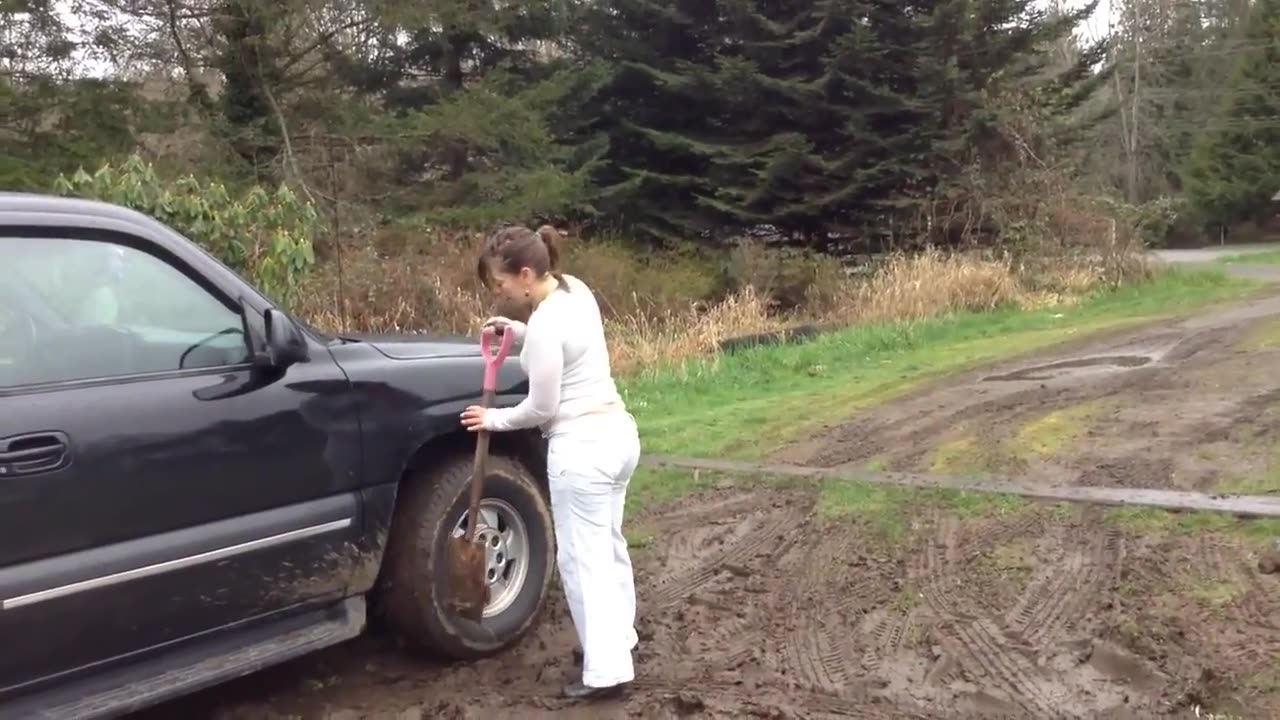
[282, 343]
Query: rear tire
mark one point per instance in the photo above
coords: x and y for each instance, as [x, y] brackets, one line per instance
[415, 588]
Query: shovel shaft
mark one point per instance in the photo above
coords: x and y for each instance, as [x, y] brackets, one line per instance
[493, 359]
[478, 472]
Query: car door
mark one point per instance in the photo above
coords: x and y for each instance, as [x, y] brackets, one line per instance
[153, 485]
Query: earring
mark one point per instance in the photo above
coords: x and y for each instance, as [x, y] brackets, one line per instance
[526, 293]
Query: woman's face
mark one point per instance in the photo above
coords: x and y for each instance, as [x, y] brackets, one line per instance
[511, 287]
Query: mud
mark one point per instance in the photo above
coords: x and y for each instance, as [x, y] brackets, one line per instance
[1189, 405]
[754, 605]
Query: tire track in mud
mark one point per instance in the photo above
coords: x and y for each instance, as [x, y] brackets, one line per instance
[828, 588]
[1250, 607]
[715, 582]
[985, 654]
[1002, 649]
[973, 641]
[743, 699]
[939, 579]
[735, 542]
[1060, 595]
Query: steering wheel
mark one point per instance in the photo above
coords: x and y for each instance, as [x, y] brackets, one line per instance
[182, 359]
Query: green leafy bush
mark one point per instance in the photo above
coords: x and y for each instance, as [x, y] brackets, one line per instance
[264, 235]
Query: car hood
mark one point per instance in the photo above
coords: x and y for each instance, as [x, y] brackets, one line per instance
[421, 347]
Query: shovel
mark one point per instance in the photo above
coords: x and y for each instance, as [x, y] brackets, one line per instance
[468, 566]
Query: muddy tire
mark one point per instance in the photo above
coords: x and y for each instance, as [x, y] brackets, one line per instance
[415, 589]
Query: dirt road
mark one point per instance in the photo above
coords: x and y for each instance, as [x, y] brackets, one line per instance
[754, 605]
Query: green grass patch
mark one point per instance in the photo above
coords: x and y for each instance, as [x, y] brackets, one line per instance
[888, 510]
[1264, 335]
[1155, 521]
[1044, 436]
[1267, 681]
[1264, 482]
[1266, 257]
[1215, 594]
[1056, 431]
[749, 404]
[651, 486]
[962, 456]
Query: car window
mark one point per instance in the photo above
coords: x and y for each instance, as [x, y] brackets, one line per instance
[77, 309]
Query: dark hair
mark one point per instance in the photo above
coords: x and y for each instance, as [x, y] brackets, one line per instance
[518, 247]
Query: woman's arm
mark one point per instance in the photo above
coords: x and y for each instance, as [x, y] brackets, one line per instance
[544, 353]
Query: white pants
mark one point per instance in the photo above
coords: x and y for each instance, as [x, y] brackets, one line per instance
[589, 466]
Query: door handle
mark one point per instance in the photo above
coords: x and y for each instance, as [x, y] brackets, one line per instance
[34, 453]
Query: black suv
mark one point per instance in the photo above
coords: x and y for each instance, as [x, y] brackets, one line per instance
[195, 485]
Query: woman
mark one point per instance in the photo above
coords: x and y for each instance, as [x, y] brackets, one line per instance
[593, 444]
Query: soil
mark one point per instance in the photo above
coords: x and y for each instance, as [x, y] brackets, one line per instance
[1190, 405]
[754, 604]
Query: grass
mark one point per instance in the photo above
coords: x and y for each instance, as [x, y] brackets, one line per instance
[1044, 436]
[887, 511]
[750, 403]
[1266, 481]
[1154, 522]
[1259, 446]
[1214, 595]
[1266, 257]
[1053, 432]
[1263, 336]
[962, 456]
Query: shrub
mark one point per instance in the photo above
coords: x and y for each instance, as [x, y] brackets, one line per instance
[264, 235]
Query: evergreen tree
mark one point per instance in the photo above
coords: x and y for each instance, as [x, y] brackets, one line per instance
[816, 118]
[466, 93]
[825, 98]
[1234, 168]
[654, 112]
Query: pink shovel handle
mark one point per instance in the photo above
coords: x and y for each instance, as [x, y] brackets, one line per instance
[493, 360]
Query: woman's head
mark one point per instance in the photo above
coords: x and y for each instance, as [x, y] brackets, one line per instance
[516, 261]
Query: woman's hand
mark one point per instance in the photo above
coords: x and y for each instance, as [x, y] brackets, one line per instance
[500, 324]
[497, 323]
[473, 418]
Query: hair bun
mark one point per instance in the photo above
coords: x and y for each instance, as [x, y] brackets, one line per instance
[549, 235]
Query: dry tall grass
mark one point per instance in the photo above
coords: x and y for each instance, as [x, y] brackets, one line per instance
[663, 309]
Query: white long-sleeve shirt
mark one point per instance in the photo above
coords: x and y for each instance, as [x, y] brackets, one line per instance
[567, 362]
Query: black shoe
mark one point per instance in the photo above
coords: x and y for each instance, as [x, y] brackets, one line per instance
[578, 691]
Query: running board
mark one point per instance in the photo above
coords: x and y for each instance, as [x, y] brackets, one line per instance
[1247, 506]
[168, 675]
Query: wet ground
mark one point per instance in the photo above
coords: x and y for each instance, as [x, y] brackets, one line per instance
[757, 602]
[1191, 405]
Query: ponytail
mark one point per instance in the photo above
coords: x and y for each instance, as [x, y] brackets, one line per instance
[551, 238]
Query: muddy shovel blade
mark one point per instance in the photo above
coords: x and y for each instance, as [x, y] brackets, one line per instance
[470, 591]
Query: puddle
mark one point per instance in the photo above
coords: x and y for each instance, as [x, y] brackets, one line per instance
[1064, 367]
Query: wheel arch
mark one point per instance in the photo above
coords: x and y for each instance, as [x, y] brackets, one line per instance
[527, 446]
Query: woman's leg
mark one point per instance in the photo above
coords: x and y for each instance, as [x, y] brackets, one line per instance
[621, 557]
[562, 519]
[583, 495]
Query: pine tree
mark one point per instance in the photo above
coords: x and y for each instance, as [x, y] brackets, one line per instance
[1234, 168]
[816, 118]
[656, 113]
[833, 126]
